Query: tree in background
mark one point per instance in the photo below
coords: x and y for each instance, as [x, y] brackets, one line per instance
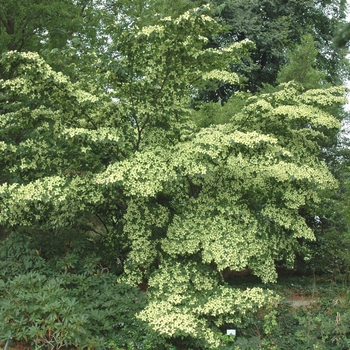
[36, 25]
[343, 36]
[276, 26]
[301, 66]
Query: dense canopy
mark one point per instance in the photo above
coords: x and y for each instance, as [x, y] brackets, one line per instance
[111, 149]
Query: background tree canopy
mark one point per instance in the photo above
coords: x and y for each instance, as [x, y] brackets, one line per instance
[115, 156]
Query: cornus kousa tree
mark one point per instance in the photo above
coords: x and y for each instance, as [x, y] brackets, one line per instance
[180, 203]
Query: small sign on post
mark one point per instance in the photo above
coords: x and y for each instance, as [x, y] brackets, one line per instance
[231, 332]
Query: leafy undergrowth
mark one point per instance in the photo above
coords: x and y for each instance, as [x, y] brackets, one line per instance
[314, 314]
[51, 304]
[322, 324]
[67, 301]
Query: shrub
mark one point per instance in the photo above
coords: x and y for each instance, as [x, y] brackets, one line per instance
[49, 306]
[320, 326]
